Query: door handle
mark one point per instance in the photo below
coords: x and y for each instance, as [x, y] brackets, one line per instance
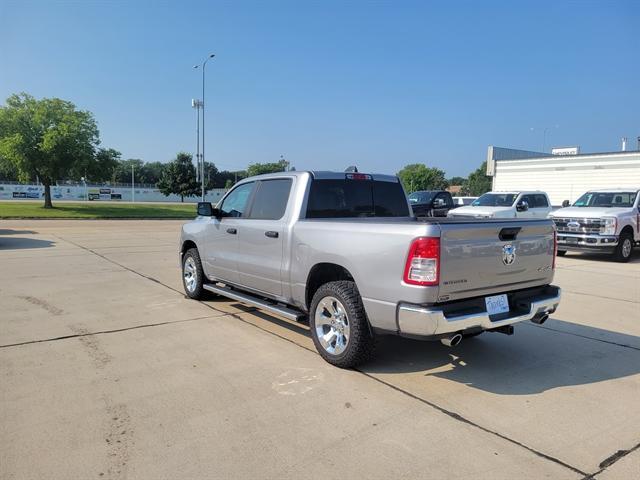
[232, 231]
[271, 234]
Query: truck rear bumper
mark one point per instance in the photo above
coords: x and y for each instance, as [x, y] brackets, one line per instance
[582, 242]
[438, 321]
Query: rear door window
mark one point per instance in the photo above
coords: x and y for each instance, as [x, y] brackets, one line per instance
[270, 199]
[541, 201]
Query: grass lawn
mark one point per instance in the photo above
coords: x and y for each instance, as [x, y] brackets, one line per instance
[21, 209]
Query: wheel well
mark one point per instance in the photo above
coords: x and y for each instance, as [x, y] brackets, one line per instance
[187, 245]
[322, 273]
[628, 229]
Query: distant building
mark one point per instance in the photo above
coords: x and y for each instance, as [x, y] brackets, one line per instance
[565, 175]
[454, 189]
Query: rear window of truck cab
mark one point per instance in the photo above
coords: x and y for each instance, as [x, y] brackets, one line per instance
[346, 198]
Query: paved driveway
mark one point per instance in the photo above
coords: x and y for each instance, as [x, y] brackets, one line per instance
[109, 372]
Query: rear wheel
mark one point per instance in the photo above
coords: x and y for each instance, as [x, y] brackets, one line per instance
[625, 247]
[192, 274]
[339, 325]
[562, 253]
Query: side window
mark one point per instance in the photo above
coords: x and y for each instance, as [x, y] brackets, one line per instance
[270, 201]
[541, 201]
[236, 202]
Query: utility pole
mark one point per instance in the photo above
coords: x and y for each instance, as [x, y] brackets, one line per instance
[204, 64]
[133, 193]
[197, 104]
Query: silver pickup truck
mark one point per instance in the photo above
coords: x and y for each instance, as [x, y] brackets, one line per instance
[344, 251]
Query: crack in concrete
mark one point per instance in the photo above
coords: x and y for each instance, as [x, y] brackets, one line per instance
[83, 333]
[611, 460]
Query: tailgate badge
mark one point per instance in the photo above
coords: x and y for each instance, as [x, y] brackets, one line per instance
[508, 254]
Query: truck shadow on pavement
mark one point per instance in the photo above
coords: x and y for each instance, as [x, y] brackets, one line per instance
[9, 231]
[20, 243]
[533, 360]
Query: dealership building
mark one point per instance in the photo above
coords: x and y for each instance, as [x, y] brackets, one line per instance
[565, 174]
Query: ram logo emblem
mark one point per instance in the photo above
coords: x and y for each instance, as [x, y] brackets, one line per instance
[508, 254]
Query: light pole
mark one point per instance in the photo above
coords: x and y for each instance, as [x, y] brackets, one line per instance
[204, 64]
[133, 193]
[197, 104]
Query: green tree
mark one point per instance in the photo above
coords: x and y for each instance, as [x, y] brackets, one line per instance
[456, 181]
[418, 176]
[46, 138]
[260, 168]
[478, 181]
[122, 171]
[99, 168]
[152, 172]
[8, 170]
[179, 177]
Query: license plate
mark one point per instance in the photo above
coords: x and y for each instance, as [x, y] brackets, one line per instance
[497, 304]
[571, 240]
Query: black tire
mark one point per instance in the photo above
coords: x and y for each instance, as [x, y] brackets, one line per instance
[360, 344]
[624, 249]
[562, 253]
[197, 291]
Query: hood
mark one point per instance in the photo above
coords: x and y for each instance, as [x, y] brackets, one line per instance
[588, 212]
[493, 212]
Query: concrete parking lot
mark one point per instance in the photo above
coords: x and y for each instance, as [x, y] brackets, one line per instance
[109, 372]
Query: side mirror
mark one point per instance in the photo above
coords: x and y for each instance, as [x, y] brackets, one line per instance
[205, 209]
[566, 203]
[522, 206]
[439, 202]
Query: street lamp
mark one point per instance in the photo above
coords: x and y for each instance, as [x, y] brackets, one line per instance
[133, 193]
[204, 64]
[197, 104]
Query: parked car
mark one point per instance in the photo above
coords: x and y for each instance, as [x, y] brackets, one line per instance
[344, 250]
[431, 203]
[525, 204]
[606, 221]
[463, 201]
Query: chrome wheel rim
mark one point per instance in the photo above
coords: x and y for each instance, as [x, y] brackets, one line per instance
[190, 274]
[332, 325]
[626, 248]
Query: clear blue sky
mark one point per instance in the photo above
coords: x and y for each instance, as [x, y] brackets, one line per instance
[331, 84]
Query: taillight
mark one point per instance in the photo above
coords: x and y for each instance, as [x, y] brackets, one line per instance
[555, 248]
[423, 262]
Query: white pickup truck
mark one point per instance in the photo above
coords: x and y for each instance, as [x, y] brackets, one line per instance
[529, 204]
[345, 251]
[606, 221]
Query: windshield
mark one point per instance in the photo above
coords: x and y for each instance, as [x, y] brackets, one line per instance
[606, 199]
[495, 200]
[421, 197]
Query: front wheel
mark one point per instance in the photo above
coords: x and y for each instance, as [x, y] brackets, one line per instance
[562, 253]
[339, 325]
[624, 249]
[192, 274]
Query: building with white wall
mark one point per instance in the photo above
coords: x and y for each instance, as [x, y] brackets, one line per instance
[563, 177]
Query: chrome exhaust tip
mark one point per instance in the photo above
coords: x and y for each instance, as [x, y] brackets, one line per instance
[540, 320]
[451, 341]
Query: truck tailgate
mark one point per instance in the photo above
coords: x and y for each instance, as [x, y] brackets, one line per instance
[491, 256]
